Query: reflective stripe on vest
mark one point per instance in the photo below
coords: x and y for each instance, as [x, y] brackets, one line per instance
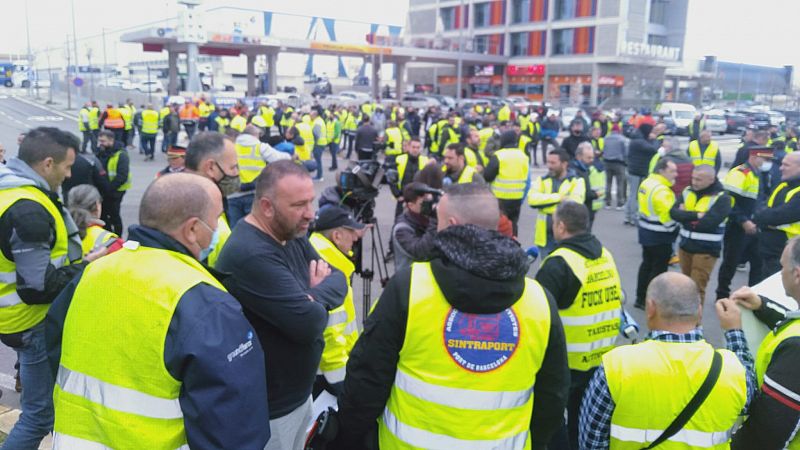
[104, 393]
[113, 162]
[647, 216]
[250, 161]
[96, 236]
[341, 333]
[66, 442]
[771, 341]
[791, 229]
[443, 396]
[709, 157]
[512, 175]
[741, 180]
[572, 188]
[668, 374]
[394, 141]
[591, 323]
[702, 205]
[149, 121]
[15, 315]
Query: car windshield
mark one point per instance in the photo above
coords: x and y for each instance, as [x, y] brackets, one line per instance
[684, 114]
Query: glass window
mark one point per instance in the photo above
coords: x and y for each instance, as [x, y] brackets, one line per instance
[656, 39]
[482, 15]
[565, 9]
[448, 16]
[519, 44]
[481, 44]
[658, 11]
[562, 42]
[570, 9]
[521, 11]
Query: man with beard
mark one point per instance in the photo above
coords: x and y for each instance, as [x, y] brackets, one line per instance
[576, 136]
[286, 291]
[213, 156]
[117, 166]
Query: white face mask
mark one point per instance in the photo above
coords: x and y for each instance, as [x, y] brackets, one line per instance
[661, 151]
[766, 166]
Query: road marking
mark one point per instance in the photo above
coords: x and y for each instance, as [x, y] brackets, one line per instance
[45, 118]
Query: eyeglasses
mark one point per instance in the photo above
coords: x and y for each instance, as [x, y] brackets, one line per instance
[206, 225]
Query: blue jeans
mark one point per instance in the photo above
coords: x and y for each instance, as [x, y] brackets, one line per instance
[238, 207]
[632, 206]
[37, 397]
[318, 151]
[334, 148]
[148, 143]
[310, 165]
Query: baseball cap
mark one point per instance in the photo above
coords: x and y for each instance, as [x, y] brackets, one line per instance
[331, 217]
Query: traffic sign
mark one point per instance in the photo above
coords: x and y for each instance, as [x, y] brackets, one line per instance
[78, 82]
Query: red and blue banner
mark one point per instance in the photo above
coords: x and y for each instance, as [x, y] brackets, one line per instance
[537, 43]
[583, 40]
[539, 10]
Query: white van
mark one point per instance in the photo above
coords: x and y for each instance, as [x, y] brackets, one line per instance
[682, 113]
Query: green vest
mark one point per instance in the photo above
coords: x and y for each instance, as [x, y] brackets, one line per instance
[112, 172]
[106, 394]
[16, 315]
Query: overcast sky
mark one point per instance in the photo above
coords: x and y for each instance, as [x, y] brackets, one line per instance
[762, 32]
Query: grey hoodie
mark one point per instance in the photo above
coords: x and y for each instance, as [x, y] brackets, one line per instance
[17, 173]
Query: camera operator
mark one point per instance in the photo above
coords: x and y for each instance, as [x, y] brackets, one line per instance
[413, 232]
[366, 136]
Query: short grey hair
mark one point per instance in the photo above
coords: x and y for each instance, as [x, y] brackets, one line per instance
[205, 145]
[706, 169]
[583, 147]
[473, 204]
[173, 199]
[676, 297]
[794, 251]
[84, 196]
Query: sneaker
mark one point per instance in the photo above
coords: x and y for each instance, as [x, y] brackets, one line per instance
[742, 267]
[674, 260]
[607, 207]
[319, 180]
[619, 208]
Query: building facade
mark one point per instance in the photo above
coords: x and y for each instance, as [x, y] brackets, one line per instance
[610, 52]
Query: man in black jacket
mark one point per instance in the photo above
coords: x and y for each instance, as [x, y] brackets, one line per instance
[570, 289]
[702, 211]
[118, 175]
[87, 170]
[576, 136]
[640, 151]
[582, 165]
[412, 233]
[781, 217]
[479, 276]
[774, 415]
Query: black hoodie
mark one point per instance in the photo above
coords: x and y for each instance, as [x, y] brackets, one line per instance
[556, 276]
[480, 272]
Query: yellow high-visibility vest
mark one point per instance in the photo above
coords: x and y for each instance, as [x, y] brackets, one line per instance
[667, 375]
[591, 323]
[512, 175]
[655, 200]
[250, 161]
[543, 197]
[149, 121]
[791, 229]
[708, 158]
[458, 372]
[113, 162]
[105, 395]
[96, 236]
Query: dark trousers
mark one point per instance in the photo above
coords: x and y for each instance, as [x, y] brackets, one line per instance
[318, 151]
[95, 133]
[112, 206]
[147, 143]
[365, 154]
[655, 261]
[770, 246]
[511, 209]
[334, 149]
[350, 138]
[545, 143]
[119, 134]
[567, 437]
[169, 139]
[737, 245]
[615, 170]
[88, 139]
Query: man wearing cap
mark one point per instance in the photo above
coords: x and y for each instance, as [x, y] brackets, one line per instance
[335, 233]
[744, 184]
[780, 220]
[176, 156]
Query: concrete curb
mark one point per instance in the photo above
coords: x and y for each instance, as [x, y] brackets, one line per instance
[9, 417]
[46, 107]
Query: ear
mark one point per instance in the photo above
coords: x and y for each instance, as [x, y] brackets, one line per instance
[650, 309]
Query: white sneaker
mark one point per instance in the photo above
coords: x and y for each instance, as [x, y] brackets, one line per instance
[619, 208]
[607, 207]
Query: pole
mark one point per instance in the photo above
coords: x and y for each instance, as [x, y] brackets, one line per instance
[75, 39]
[105, 58]
[30, 57]
[49, 77]
[149, 86]
[91, 72]
[460, 46]
[69, 79]
[739, 89]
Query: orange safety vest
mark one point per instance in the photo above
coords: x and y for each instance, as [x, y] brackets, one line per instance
[114, 119]
[189, 112]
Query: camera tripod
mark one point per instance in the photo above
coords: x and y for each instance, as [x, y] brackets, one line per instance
[377, 258]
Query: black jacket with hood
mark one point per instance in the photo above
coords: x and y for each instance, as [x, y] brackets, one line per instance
[480, 272]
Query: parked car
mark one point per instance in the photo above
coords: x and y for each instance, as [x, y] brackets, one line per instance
[447, 103]
[360, 97]
[682, 113]
[519, 103]
[149, 86]
[715, 121]
[736, 122]
[420, 101]
[760, 120]
[776, 118]
[672, 128]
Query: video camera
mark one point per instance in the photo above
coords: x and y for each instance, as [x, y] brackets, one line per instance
[359, 186]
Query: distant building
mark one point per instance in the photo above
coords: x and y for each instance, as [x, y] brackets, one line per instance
[561, 51]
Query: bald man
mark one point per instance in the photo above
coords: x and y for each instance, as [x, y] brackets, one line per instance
[195, 379]
[675, 355]
[453, 343]
[780, 220]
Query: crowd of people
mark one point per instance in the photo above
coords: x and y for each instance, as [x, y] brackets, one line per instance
[228, 308]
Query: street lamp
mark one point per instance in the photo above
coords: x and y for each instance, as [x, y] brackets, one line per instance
[91, 71]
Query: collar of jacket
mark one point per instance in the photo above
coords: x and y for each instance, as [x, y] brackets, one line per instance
[150, 237]
[661, 180]
[715, 188]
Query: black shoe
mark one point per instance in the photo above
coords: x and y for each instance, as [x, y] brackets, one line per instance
[638, 305]
[331, 169]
